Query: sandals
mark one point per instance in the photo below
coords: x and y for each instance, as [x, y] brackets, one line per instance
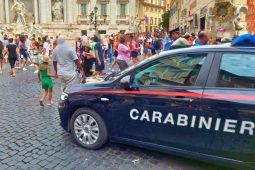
[41, 103]
[50, 104]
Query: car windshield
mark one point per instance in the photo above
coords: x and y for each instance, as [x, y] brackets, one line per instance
[117, 74]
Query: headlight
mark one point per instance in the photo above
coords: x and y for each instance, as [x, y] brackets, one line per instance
[63, 96]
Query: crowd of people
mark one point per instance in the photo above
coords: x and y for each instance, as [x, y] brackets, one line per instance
[124, 50]
[90, 56]
[21, 49]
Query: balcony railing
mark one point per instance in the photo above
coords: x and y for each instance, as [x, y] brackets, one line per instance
[103, 19]
[122, 19]
[83, 19]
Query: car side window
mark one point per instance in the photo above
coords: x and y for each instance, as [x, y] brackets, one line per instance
[179, 70]
[237, 71]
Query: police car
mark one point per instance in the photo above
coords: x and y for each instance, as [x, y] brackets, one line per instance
[195, 102]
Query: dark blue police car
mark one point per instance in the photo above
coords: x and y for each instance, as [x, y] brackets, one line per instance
[193, 102]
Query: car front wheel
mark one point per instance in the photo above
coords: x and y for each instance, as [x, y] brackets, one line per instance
[88, 129]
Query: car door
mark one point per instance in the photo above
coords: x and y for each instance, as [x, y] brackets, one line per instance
[166, 94]
[229, 99]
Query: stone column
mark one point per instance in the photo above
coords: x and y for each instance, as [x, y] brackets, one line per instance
[2, 14]
[69, 11]
[36, 12]
[65, 6]
[42, 12]
[7, 11]
[113, 14]
[45, 11]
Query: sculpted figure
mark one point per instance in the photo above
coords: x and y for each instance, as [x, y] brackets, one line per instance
[19, 10]
[57, 10]
[237, 19]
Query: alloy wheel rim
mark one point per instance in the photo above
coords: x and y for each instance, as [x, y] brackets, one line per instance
[86, 129]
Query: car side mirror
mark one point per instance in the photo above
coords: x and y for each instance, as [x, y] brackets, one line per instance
[125, 83]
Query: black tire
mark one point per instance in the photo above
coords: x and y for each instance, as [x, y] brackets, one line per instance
[103, 135]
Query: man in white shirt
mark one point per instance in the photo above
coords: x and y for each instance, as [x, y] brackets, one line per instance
[47, 47]
[85, 39]
[65, 61]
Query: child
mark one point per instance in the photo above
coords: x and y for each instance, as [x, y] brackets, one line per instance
[44, 76]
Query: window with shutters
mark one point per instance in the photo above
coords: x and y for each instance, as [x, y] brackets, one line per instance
[103, 9]
[83, 9]
[122, 9]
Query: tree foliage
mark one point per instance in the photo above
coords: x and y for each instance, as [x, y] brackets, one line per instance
[165, 20]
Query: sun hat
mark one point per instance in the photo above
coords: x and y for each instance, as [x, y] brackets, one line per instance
[45, 58]
[187, 35]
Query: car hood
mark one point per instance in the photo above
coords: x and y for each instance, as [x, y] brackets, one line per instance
[80, 88]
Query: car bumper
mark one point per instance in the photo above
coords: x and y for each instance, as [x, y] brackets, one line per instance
[63, 114]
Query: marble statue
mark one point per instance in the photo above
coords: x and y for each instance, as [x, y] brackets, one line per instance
[19, 10]
[237, 18]
[57, 10]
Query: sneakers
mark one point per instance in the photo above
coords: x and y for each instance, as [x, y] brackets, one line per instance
[31, 65]
[24, 69]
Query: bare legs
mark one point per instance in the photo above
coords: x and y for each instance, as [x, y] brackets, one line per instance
[36, 66]
[24, 63]
[1, 66]
[50, 97]
[13, 74]
[45, 93]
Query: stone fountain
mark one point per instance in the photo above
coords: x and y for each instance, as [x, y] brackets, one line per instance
[23, 22]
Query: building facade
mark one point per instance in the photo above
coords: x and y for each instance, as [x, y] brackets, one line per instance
[69, 17]
[150, 14]
[219, 18]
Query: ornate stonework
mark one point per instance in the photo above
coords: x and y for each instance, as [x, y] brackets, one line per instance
[57, 11]
[52, 17]
[21, 15]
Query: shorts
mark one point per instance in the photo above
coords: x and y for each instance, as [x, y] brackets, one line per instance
[25, 55]
[47, 83]
[134, 54]
[122, 64]
[67, 80]
[12, 62]
[116, 54]
[100, 67]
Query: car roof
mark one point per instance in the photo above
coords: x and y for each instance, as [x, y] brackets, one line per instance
[211, 48]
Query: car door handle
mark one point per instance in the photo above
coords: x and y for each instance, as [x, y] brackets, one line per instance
[181, 98]
[105, 99]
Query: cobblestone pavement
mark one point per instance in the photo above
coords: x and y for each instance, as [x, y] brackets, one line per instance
[31, 137]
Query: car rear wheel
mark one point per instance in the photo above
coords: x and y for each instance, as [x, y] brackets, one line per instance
[88, 129]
